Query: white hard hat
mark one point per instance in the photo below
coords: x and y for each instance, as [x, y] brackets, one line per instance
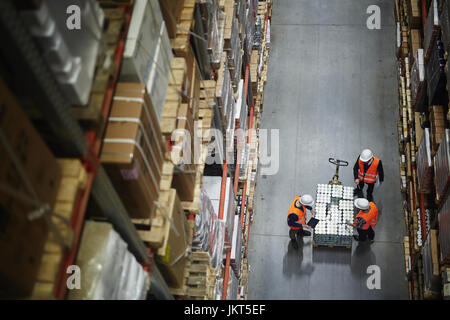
[362, 204]
[306, 200]
[366, 155]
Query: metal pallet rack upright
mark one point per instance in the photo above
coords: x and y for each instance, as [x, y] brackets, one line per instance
[26, 62]
[236, 182]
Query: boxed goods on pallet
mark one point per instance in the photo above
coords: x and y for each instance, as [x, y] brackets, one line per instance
[209, 235]
[258, 34]
[233, 46]
[70, 54]
[417, 77]
[212, 187]
[430, 260]
[236, 246]
[334, 206]
[133, 149]
[108, 270]
[172, 261]
[73, 183]
[147, 56]
[415, 43]
[214, 24]
[442, 166]
[185, 172]
[435, 74]
[249, 27]
[22, 239]
[414, 20]
[437, 122]
[444, 230]
[424, 164]
[171, 11]
[445, 24]
[431, 28]
[224, 94]
[240, 107]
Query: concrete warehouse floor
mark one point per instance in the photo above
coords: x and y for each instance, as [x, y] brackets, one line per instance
[331, 91]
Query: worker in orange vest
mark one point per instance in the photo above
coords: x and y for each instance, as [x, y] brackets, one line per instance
[367, 170]
[365, 220]
[296, 219]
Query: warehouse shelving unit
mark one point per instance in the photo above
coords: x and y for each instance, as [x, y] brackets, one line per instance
[62, 132]
[72, 142]
[424, 263]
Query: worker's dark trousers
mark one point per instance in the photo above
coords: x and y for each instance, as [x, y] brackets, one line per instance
[298, 233]
[370, 187]
[364, 234]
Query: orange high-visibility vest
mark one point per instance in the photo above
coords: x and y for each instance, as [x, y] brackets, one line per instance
[300, 212]
[371, 173]
[370, 217]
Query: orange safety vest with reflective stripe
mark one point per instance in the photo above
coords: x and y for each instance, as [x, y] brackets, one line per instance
[372, 172]
[370, 217]
[299, 212]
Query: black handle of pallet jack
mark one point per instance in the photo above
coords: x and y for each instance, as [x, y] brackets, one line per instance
[341, 163]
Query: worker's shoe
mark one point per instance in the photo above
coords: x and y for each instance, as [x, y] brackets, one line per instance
[371, 241]
[370, 198]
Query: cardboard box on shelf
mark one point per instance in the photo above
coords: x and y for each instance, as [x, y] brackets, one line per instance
[22, 241]
[172, 258]
[133, 149]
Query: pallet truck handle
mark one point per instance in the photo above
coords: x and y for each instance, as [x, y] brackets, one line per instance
[341, 163]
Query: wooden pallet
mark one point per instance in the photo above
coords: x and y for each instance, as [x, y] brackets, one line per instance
[74, 179]
[90, 116]
[316, 245]
[200, 278]
[180, 44]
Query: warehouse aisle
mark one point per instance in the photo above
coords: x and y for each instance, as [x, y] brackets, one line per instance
[331, 91]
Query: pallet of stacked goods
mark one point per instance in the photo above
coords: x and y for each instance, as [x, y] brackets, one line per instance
[71, 55]
[207, 252]
[410, 85]
[73, 181]
[435, 73]
[29, 186]
[224, 94]
[444, 19]
[424, 164]
[106, 67]
[418, 83]
[444, 230]
[431, 29]
[431, 271]
[233, 44]
[437, 124]
[110, 270]
[442, 166]
[414, 16]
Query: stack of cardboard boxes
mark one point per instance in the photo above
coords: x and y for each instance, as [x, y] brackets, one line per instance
[133, 149]
[22, 240]
[437, 121]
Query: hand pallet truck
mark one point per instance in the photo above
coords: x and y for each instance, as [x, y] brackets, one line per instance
[338, 163]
